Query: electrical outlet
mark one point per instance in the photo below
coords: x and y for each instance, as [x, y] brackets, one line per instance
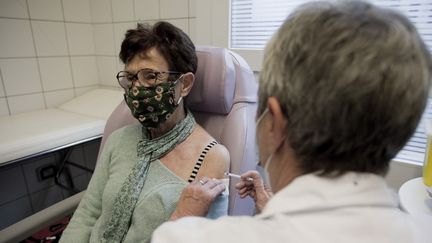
[45, 172]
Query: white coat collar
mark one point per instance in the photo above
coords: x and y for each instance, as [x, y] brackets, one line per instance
[313, 193]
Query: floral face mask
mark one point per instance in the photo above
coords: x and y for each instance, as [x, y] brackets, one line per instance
[152, 105]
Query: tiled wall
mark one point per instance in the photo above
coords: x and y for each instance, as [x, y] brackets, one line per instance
[22, 191]
[111, 19]
[51, 51]
[54, 50]
[47, 53]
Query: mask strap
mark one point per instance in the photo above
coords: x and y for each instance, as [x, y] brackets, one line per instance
[178, 102]
[258, 121]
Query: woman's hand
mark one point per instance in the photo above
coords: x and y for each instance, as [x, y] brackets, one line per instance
[256, 189]
[196, 198]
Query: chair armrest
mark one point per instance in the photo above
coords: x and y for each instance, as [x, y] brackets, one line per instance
[36, 222]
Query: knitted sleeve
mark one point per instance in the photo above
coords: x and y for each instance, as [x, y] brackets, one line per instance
[153, 210]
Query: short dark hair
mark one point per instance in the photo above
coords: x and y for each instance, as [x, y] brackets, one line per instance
[172, 43]
[352, 80]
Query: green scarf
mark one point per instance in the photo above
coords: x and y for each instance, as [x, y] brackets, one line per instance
[147, 152]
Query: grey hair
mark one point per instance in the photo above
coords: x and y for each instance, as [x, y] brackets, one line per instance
[352, 80]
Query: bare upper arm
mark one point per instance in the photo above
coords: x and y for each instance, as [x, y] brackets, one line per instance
[216, 162]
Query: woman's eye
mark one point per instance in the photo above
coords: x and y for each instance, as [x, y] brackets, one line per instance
[150, 76]
[130, 77]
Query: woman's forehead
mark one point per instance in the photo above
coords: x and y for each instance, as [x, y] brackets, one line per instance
[151, 59]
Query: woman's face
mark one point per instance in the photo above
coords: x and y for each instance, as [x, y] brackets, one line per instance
[151, 60]
[152, 96]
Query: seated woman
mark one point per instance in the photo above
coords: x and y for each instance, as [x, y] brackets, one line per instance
[143, 168]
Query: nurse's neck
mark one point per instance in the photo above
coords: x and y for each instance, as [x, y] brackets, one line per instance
[178, 115]
[284, 168]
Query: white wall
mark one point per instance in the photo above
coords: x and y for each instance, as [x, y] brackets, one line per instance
[54, 50]
[401, 172]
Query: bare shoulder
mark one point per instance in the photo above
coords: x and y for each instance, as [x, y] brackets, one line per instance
[216, 161]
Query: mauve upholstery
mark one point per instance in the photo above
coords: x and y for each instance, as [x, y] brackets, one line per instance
[223, 100]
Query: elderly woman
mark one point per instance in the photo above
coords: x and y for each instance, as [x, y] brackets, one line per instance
[143, 168]
[342, 89]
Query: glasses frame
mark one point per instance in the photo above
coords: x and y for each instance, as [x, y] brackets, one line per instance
[131, 78]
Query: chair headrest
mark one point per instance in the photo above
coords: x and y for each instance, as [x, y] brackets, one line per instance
[214, 86]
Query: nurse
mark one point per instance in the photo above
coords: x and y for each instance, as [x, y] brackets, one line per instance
[342, 89]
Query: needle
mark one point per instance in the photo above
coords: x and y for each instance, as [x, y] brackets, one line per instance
[250, 179]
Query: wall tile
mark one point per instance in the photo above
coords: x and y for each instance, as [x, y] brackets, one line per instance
[80, 183]
[20, 76]
[104, 39]
[2, 93]
[80, 37]
[91, 151]
[192, 8]
[16, 38]
[14, 212]
[123, 10]
[30, 171]
[107, 71]
[26, 103]
[13, 9]
[84, 71]
[192, 28]
[50, 38]
[12, 184]
[45, 198]
[119, 64]
[56, 73]
[4, 110]
[174, 9]
[82, 90]
[101, 11]
[77, 157]
[46, 9]
[119, 33]
[77, 10]
[56, 98]
[146, 9]
[180, 23]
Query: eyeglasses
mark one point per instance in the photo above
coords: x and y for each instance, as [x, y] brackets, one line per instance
[147, 77]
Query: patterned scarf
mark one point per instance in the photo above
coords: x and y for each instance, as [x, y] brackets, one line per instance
[147, 152]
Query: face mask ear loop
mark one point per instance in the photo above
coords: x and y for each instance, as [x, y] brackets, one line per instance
[181, 97]
[261, 117]
[178, 102]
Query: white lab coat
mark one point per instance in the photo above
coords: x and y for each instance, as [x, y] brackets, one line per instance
[355, 207]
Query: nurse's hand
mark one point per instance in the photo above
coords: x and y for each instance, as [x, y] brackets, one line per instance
[196, 198]
[256, 189]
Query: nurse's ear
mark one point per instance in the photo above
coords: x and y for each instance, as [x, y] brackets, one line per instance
[187, 82]
[278, 124]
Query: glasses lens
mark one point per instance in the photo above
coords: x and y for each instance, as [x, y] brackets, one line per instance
[148, 76]
[123, 79]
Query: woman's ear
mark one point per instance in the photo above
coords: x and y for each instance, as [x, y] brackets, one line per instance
[187, 83]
